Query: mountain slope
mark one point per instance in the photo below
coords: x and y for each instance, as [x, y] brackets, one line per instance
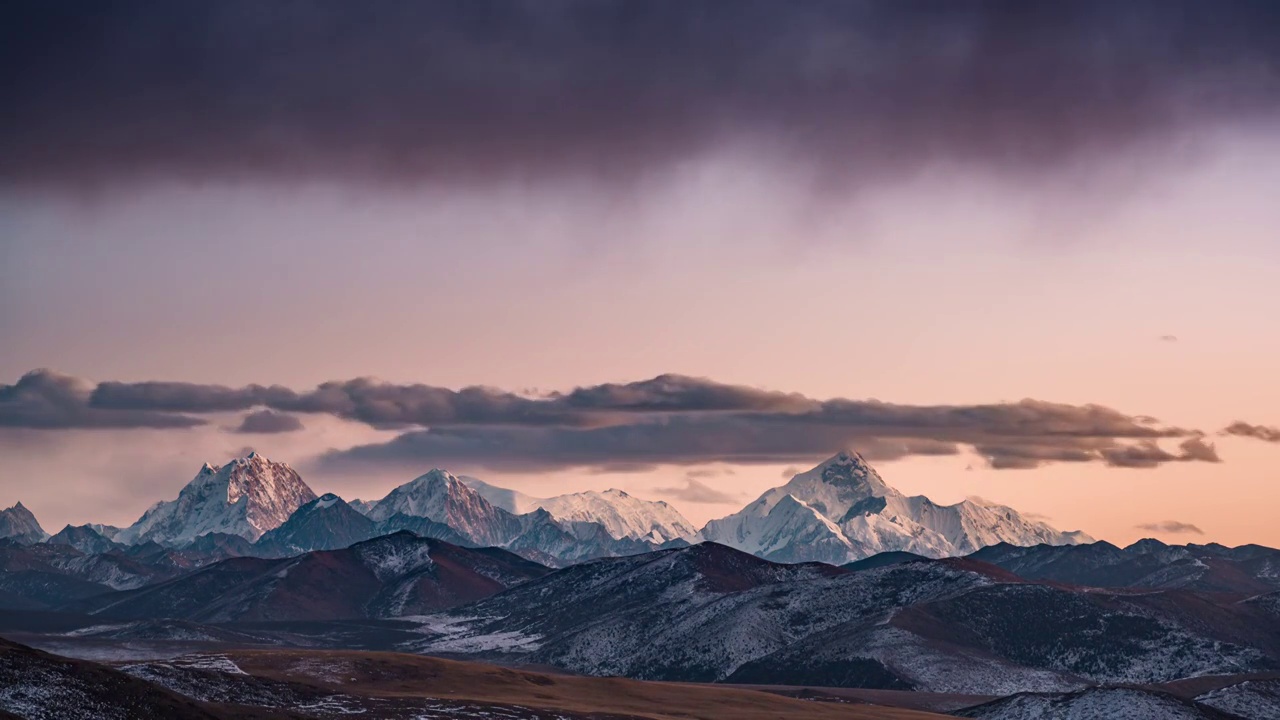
[18, 524]
[35, 684]
[842, 510]
[695, 614]
[51, 574]
[247, 497]
[1145, 564]
[710, 613]
[513, 501]
[1118, 703]
[385, 577]
[84, 538]
[443, 498]
[622, 515]
[440, 505]
[326, 523]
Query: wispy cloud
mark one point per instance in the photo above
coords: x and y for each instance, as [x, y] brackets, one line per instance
[696, 491]
[1258, 432]
[1172, 527]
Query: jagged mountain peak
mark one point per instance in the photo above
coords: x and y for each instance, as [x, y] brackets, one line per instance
[84, 538]
[248, 496]
[436, 475]
[19, 523]
[846, 469]
[326, 523]
[842, 510]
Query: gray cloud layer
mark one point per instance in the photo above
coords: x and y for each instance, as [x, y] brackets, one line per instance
[1259, 432]
[457, 90]
[670, 419]
[269, 421]
[1171, 526]
[44, 399]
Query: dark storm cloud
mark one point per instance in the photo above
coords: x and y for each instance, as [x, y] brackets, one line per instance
[1026, 457]
[1171, 526]
[456, 91]
[696, 439]
[362, 399]
[1260, 432]
[44, 399]
[387, 405]
[669, 419]
[269, 421]
[683, 393]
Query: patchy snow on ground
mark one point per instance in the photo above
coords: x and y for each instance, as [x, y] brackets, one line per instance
[1258, 699]
[458, 634]
[1095, 704]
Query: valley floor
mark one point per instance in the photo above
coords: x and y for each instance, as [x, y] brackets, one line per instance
[156, 680]
[376, 685]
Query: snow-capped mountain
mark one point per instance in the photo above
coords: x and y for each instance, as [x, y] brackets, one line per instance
[18, 524]
[513, 501]
[441, 505]
[84, 538]
[326, 523]
[247, 497]
[842, 510]
[623, 516]
[443, 498]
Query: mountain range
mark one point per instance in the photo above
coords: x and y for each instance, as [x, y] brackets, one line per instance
[605, 584]
[842, 510]
[838, 512]
[701, 613]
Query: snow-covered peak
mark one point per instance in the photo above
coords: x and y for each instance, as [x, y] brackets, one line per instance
[835, 486]
[20, 524]
[844, 506]
[427, 496]
[513, 501]
[622, 515]
[327, 500]
[247, 497]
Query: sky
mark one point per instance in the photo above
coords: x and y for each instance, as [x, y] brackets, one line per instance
[1024, 252]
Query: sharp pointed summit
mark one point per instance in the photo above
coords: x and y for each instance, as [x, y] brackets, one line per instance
[842, 510]
[247, 497]
[19, 524]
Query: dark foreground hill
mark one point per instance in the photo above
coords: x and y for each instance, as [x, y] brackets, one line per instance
[400, 574]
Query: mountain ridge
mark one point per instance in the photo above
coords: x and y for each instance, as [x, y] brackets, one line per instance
[842, 511]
